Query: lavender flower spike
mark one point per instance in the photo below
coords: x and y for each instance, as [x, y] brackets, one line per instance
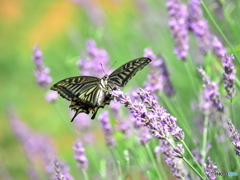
[107, 129]
[229, 75]
[210, 169]
[79, 155]
[158, 78]
[218, 47]
[211, 96]
[235, 137]
[41, 71]
[178, 24]
[198, 25]
[157, 120]
[62, 171]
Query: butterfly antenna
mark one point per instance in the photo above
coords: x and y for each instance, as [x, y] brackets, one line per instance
[112, 66]
[102, 68]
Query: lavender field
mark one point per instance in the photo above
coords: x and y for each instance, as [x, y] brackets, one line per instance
[177, 118]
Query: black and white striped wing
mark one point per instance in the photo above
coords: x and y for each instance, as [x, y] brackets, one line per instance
[124, 73]
[82, 87]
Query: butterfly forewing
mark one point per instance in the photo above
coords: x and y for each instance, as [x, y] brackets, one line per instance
[70, 87]
[124, 73]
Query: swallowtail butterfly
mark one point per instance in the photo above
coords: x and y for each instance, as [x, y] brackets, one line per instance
[88, 93]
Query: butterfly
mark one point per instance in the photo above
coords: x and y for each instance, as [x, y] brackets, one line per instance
[88, 93]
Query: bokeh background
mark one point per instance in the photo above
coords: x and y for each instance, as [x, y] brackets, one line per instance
[61, 28]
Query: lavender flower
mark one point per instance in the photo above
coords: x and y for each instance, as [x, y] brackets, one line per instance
[51, 96]
[41, 71]
[123, 125]
[36, 146]
[172, 159]
[107, 129]
[210, 169]
[218, 47]
[198, 25]
[158, 78]
[90, 63]
[178, 24]
[235, 137]
[211, 96]
[157, 120]
[62, 171]
[79, 155]
[229, 75]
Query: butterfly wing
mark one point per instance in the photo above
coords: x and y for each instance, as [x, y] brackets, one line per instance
[72, 87]
[124, 73]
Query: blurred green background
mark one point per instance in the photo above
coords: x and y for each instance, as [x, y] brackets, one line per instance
[60, 28]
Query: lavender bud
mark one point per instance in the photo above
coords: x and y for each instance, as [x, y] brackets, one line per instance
[229, 75]
[41, 71]
[107, 129]
[235, 137]
[178, 24]
[218, 47]
[79, 155]
[210, 169]
[51, 96]
[198, 25]
[62, 171]
[211, 96]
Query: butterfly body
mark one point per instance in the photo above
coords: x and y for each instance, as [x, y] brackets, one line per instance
[88, 93]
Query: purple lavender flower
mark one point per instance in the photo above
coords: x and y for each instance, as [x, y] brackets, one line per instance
[172, 159]
[62, 171]
[94, 60]
[218, 47]
[235, 137]
[211, 96]
[229, 75]
[158, 78]
[107, 129]
[157, 120]
[178, 24]
[210, 169]
[198, 25]
[51, 96]
[123, 125]
[79, 155]
[41, 71]
[36, 146]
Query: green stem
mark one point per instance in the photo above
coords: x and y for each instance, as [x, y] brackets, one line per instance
[205, 130]
[154, 162]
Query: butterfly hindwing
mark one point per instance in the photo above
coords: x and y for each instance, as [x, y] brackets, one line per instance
[124, 73]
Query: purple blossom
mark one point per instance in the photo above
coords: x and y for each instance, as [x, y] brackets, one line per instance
[229, 75]
[218, 47]
[94, 60]
[79, 155]
[199, 25]
[171, 158]
[211, 96]
[210, 169]
[107, 129]
[158, 78]
[51, 96]
[36, 146]
[123, 125]
[235, 137]
[62, 171]
[157, 119]
[178, 24]
[41, 71]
